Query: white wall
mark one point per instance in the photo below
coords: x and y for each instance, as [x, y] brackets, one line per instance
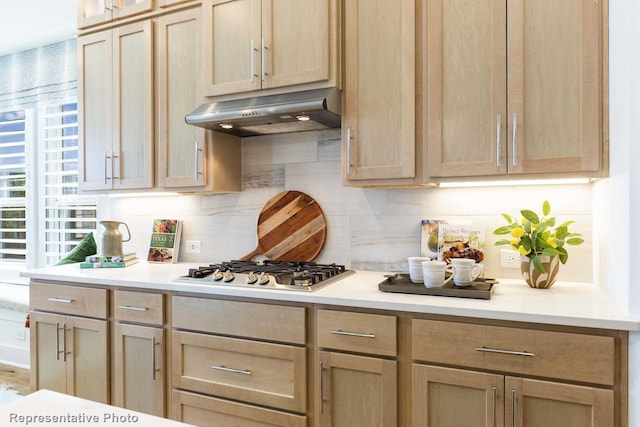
[618, 197]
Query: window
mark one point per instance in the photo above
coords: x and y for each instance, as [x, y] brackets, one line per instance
[13, 172]
[42, 215]
[65, 216]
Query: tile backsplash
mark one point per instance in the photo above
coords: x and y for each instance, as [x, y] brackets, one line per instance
[368, 228]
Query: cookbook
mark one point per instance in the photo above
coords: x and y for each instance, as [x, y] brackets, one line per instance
[165, 241]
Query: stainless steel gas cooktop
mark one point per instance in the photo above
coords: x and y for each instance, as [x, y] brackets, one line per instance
[283, 275]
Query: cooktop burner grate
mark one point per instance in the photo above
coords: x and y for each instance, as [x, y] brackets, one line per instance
[287, 275]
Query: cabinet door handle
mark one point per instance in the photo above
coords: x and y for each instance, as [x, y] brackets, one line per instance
[64, 300]
[352, 334]
[498, 142]
[235, 371]
[64, 342]
[113, 159]
[321, 387]
[106, 166]
[348, 151]
[253, 62]
[495, 350]
[132, 308]
[513, 408]
[495, 406]
[196, 151]
[58, 340]
[153, 358]
[262, 65]
[515, 140]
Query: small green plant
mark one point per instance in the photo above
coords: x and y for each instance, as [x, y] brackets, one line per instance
[534, 236]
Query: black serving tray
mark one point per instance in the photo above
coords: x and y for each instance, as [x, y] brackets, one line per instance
[481, 288]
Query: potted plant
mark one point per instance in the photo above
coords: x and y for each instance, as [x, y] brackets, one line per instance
[541, 246]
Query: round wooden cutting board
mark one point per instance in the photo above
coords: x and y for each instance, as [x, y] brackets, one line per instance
[291, 227]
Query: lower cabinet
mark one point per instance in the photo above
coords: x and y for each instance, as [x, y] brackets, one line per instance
[357, 391]
[515, 376]
[139, 352]
[69, 355]
[238, 363]
[69, 340]
[496, 400]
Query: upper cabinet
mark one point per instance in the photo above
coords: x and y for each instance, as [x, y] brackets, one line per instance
[95, 12]
[260, 44]
[379, 117]
[514, 90]
[116, 116]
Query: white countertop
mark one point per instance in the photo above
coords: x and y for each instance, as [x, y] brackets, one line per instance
[47, 408]
[571, 304]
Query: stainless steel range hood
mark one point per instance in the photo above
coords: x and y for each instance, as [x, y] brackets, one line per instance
[292, 112]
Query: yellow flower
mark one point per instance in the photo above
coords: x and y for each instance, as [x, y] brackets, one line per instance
[524, 251]
[517, 232]
[514, 242]
[552, 242]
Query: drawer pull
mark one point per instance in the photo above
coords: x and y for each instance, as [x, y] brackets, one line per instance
[352, 334]
[495, 350]
[132, 308]
[68, 301]
[235, 371]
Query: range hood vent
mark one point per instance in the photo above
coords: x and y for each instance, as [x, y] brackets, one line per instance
[292, 112]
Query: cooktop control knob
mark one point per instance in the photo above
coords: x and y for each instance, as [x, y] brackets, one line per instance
[263, 279]
[251, 278]
[228, 276]
[217, 275]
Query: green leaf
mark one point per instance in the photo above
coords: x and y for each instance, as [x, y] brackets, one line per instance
[575, 241]
[566, 224]
[541, 228]
[537, 264]
[546, 208]
[526, 242]
[563, 255]
[527, 227]
[530, 215]
[551, 221]
[507, 217]
[541, 243]
[550, 251]
[503, 242]
[502, 230]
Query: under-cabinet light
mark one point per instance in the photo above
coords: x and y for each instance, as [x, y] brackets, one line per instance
[226, 125]
[514, 182]
[303, 118]
[145, 194]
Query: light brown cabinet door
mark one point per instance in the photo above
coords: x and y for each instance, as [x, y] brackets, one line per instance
[296, 42]
[534, 403]
[139, 373]
[181, 148]
[48, 365]
[514, 90]
[94, 12]
[132, 152]
[69, 355]
[95, 108]
[232, 38]
[466, 91]
[447, 397]
[554, 84]
[357, 391]
[378, 122]
[87, 358]
[116, 108]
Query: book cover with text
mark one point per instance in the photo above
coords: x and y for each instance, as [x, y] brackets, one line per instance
[165, 241]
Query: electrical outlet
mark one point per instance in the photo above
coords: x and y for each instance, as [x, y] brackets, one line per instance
[193, 246]
[509, 259]
[21, 335]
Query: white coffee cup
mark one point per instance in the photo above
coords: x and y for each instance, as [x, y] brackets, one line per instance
[466, 271]
[415, 268]
[433, 273]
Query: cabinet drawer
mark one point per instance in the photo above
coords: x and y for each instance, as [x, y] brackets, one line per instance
[75, 300]
[357, 332]
[244, 319]
[201, 410]
[562, 355]
[263, 373]
[140, 307]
